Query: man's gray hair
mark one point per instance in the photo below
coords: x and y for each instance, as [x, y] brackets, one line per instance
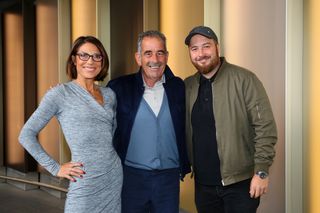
[153, 34]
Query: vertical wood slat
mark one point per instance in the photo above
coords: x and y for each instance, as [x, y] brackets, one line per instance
[47, 68]
[126, 23]
[1, 98]
[29, 57]
[19, 81]
[13, 89]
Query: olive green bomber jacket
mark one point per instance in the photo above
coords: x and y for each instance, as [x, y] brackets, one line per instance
[245, 128]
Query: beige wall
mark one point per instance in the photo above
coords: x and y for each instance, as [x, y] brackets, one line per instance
[253, 36]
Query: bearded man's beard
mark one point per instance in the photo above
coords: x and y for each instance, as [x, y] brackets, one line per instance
[207, 68]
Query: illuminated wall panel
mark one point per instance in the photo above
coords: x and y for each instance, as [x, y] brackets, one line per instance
[14, 83]
[312, 35]
[177, 18]
[47, 67]
[19, 81]
[83, 18]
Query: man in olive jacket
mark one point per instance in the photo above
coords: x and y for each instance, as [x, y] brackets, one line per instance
[230, 128]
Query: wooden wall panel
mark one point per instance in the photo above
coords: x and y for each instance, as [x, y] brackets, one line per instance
[83, 18]
[47, 67]
[177, 18]
[19, 80]
[126, 24]
[1, 99]
[14, 85]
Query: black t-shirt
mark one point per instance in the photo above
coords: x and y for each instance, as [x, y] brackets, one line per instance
[206, 159]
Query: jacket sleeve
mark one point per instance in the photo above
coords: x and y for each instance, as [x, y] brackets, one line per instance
[263, 124]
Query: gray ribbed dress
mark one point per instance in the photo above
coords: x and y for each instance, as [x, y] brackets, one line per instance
[88, 128]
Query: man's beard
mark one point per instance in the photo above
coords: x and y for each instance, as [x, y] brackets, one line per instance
[207, 68]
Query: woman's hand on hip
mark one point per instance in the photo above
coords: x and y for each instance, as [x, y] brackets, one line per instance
[70, 170]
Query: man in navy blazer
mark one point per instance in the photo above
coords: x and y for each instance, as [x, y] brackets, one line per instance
[150, 134]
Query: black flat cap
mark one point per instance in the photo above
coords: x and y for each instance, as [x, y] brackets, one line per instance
[202, 30]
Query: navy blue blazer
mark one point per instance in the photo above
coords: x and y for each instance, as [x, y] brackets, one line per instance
[129, 90]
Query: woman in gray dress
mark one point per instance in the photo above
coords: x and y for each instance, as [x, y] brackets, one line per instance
[86, 113]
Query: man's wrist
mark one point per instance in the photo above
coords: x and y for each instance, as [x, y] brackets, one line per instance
[262, 174]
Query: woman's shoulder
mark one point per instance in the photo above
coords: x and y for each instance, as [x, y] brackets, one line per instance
[107, 91]
[58, 90]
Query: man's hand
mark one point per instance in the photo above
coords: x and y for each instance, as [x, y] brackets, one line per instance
[258, 186]
[70, 170]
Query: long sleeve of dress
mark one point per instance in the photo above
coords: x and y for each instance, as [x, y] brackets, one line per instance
[48, 108]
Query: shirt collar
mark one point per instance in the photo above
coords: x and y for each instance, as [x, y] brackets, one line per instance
[204, 79]
[157, 84]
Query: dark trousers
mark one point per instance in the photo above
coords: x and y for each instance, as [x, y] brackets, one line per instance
[234, 198]
[147, 191]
